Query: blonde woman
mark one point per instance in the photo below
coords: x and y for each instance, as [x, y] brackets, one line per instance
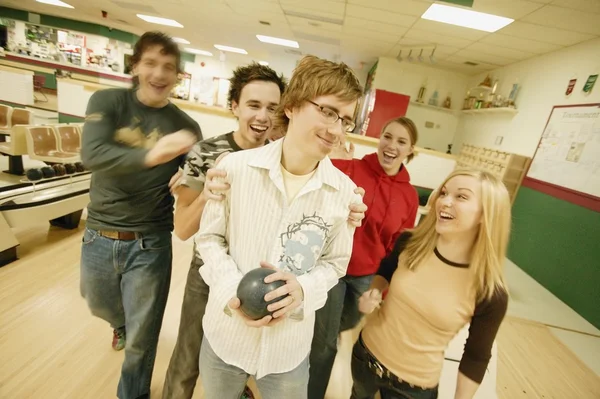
[442, 275]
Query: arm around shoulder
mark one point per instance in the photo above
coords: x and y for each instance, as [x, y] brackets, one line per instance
[99, 149]
[219, 271]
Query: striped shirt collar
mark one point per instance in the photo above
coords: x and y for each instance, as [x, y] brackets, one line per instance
[269, 157]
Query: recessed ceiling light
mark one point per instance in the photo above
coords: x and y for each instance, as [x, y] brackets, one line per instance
[465, 18]
[265, 63]
[180, 40]
[199, 52]
[231, 49]
[160, 21]
[56, 3]
[276, 40]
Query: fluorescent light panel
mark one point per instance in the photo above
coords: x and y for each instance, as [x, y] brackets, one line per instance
[199, 52]
[180, 40]
[265, 63]
[57, 3]
[159, 20]
[230, 49]
[278, 41]
[465, 18]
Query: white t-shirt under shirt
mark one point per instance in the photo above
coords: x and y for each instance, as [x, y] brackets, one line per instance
[294, 183]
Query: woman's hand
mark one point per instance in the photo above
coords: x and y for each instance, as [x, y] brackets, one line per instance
[369, 301]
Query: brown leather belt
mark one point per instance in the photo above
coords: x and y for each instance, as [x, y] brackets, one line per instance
[118, 235]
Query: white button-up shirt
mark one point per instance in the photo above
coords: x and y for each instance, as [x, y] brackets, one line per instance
[310, 237]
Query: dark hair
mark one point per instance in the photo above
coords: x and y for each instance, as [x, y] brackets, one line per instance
[249, 73]
[151, 39]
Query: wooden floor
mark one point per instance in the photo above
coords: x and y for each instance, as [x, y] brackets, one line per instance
[51, 347]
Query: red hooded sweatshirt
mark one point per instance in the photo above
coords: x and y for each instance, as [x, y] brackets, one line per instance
[392, 207]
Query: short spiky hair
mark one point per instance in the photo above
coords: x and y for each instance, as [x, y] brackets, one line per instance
[248, 73]
[315, 77]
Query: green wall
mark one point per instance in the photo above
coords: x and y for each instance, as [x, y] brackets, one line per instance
[558, 244]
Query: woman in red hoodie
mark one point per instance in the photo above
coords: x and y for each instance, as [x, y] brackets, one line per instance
[392, 207]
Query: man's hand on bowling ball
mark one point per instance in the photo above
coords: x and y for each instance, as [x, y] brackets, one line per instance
[235, 304]
[357, 210]
[291, 291]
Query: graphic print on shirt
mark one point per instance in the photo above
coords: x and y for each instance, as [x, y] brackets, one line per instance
[303, 243]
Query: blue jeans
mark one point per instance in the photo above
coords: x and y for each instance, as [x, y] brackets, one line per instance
[126, 283]
[366, 381]
[340, 313]
[223, 381]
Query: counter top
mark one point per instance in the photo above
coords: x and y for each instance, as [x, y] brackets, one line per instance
[183, 104]
[103, 73]
[15, 70]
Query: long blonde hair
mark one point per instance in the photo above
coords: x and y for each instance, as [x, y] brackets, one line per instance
[489, 250]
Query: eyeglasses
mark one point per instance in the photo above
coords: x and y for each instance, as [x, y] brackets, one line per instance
[332, 117]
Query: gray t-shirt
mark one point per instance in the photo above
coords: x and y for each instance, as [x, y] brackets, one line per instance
[119, 130]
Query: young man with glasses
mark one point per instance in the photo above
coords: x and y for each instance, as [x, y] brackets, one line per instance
[286, 210]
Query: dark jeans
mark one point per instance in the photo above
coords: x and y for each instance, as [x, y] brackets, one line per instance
[340, 313]
[183, 370]
[126, 283]
[366, 382]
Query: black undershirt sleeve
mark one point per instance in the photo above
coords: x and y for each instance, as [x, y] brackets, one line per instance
[389, 264]
[482, 332]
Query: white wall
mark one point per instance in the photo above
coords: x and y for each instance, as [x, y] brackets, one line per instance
[543, 81]
[407, 78]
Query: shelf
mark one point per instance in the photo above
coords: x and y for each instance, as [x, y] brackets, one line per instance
[502, 110]
[436, 108]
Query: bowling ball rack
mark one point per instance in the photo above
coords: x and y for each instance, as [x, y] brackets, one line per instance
[55, 178]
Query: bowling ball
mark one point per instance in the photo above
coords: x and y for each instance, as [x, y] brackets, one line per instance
[252, 290]
[70, 168]
[48, 172]
[34, 174]
[59, 169]
[79, 167]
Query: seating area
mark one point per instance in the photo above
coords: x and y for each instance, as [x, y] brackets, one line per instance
[51, 144]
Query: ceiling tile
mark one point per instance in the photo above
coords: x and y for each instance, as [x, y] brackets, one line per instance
[514, 9]
[309, 24]
[518, 43]
[588, 6]
[544, 34]
[476, 56]
[407, 7]
[566, 18]
[380, 16]
[459, 62]
[490, 49]
[449, 30]
[359, 24]
[435, 38]
[322, 8]
[373, 35]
